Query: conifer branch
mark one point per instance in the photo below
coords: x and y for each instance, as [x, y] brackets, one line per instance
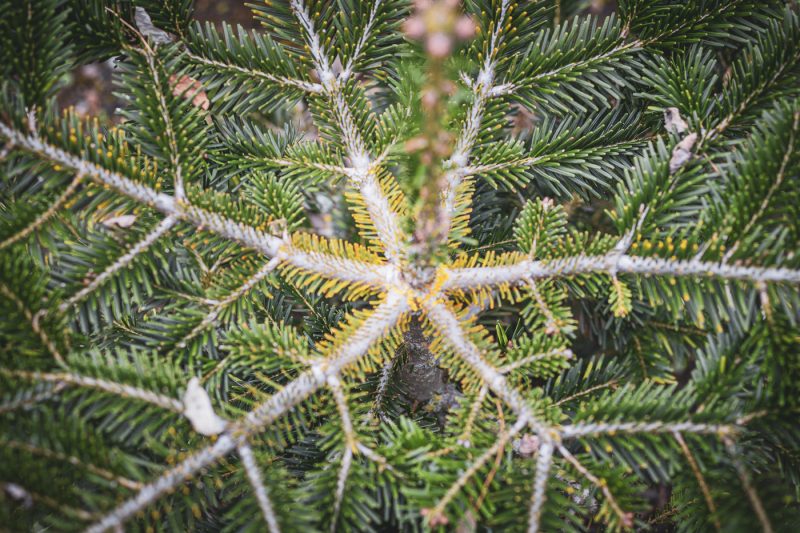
[701, 481]
[626, 519]
[34, 320]
[217, 306]
[120, 389]
[564, 353]
[126, 259]
[452, 333]
[265, 243]
[482, 87]
[341, 483]
[600, 428]
[383, 385]
[169, 130]
[364, 172]
[47, 214]
[544, 461]
[31, 497]
[384, 317]
[168, 481]
[475, 407]
[790, 150]
[259, 489]
[281, 81]
[351, 439]
[499, 445]
[747, 485]
[471, 278]
[366, 34]
[31, 399]
[71, 459]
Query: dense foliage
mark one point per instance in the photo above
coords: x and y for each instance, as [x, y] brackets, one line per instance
[393, 265]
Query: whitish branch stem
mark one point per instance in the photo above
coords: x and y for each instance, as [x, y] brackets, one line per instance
[259, 489]
[464, 438]
[625, 518]
[341, 483]
[352, 439]
[622, 48]
[120, 389]
[538, 496]
[270, 245]
[470, 278]
[46, 215]
[362, 42]
[363, 170]
[168, 481]
[790, 149]
[292, 163]
[126, 259]
[453, 334]
[589, 430]
[344, 412]
[383, 384]
[373, 328]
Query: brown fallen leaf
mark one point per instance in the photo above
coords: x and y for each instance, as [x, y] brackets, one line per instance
[189, 88]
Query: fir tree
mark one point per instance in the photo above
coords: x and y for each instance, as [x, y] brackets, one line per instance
[505, 265]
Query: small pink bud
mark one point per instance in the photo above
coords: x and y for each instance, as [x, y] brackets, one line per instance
[429, 99]
[414, 27]
[439, 45]
[465, 28]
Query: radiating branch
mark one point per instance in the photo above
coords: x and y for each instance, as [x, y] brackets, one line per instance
[701, 481]
[219, 305]
[384, 317]
[539, 494]
[259, 489]
[270, 245]
[347, 71]
[32, 399]
[483, 88]
[454, 335]
[471, 278]
[283, 81]
[169, 130]
[564, 353]
[71, 459]
[363, 174]
[747, 485]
